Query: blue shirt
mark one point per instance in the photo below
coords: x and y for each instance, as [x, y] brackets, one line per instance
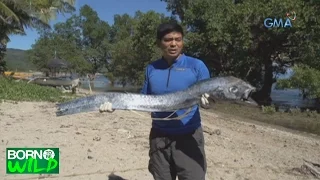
[160, 78]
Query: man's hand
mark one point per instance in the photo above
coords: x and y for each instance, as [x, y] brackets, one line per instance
[205, 101]
[106, 107]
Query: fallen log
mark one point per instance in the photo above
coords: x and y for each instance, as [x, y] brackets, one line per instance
[310, 167]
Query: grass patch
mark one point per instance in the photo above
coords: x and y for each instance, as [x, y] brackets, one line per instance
[308, 121]
[14, 90]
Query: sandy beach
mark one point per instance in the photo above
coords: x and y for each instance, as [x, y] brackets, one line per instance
[92, 145]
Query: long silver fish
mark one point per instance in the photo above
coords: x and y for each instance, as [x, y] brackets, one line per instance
[229, 88]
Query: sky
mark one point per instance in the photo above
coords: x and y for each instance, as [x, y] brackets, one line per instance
[106, 10]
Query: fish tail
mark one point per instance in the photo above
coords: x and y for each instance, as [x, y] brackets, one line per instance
[80, 105]
[75, 110]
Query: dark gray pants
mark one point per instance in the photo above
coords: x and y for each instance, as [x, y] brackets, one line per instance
[179, 155]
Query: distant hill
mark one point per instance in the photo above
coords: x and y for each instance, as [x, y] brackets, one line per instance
[17, 60]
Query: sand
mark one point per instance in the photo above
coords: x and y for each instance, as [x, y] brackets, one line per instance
[92, 145]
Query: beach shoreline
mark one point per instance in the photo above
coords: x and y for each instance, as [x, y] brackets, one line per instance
[92, 145]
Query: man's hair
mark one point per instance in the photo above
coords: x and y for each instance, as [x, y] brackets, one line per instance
[168, 27]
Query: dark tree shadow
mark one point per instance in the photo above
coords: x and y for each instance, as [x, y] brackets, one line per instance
[112, 176]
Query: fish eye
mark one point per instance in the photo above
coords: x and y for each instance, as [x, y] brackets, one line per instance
[233, 89]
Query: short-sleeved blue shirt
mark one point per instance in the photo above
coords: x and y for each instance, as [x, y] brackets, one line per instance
[161, 79]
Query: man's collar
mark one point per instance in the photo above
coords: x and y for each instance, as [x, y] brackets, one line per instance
[181, 57]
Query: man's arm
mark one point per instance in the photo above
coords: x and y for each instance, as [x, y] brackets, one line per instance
[203, 71]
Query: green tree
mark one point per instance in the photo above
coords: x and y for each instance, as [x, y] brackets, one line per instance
[304, 78]
[95, 38]
[47, 10]
[144, 42]
[15, 16]
[231, 38]
[133, 46]
[82, 39]
[55, 45]
[122, 53]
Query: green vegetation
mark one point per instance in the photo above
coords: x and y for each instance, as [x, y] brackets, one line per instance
[234, 44]
[14, 90]
[15, 16]
[17, 60]
[308, 121]
[305, 78]
[91, 44]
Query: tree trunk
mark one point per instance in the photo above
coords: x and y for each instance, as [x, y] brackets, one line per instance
[112, 82]
[3, 65]
[91, 80]
[263, 96]
[317, 105]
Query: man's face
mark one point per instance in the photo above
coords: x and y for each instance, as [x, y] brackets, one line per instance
[171, 45]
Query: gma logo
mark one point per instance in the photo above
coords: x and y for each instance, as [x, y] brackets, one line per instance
[284, 23]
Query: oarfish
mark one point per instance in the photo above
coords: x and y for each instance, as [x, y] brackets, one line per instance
[229, 88]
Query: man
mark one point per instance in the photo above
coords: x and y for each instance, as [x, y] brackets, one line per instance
[176, 146]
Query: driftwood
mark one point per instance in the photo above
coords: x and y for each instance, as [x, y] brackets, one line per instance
[313, 168]
[310, 168]
[209, 131]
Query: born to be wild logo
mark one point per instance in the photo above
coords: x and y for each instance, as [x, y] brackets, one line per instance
[32, 160]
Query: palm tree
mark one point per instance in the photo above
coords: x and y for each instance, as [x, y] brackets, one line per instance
[47, 10]
[16, 15]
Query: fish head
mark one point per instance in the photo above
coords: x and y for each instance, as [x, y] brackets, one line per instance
[233, 88]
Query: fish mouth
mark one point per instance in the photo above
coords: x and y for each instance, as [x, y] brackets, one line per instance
[247, 96]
